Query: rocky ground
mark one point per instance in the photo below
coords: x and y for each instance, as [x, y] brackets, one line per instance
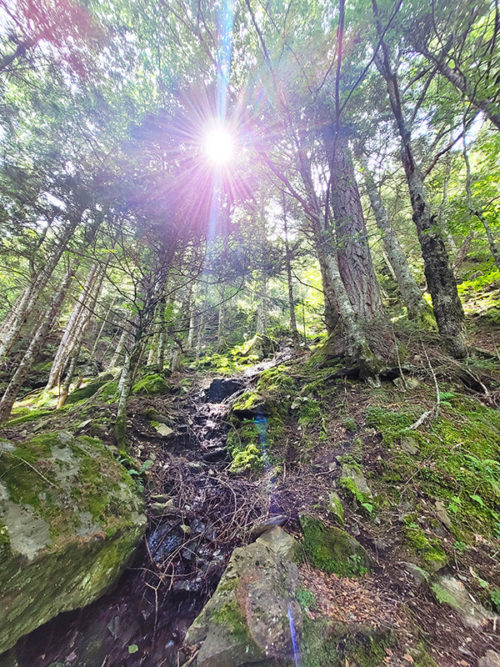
[363, 519]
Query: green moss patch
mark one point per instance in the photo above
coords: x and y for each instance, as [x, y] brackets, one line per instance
[151, 385]
[454, 458]
[88, 390]
[332, 549]
[329, 644]
[70, 516]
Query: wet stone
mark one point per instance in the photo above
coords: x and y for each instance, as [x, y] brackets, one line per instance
[222, 388]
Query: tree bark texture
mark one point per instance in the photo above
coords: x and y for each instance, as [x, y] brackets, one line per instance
[32, 293]
[291, 303]
[407, 284]
[34, 347]
[76, 322]
[354, 257]
[441, 282]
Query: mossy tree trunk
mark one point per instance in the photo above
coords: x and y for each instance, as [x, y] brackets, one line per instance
[354, 257]
[29, 299]
[36, 344]
[410, 291]
[441, 282]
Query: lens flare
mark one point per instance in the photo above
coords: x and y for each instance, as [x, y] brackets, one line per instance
[218, 146]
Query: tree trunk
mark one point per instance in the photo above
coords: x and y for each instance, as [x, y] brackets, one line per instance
[410, 292]
[69, 376]
[75, 323]
[457, 79]
[192, 317]
[262, 306]
[120, 347]
[106, 320]
[124, 388]
[495, 252]
[32, 293]
[441, 283]
[354, 257]
[221, 318]
[34, 348]
[356, 344]
[288, 259]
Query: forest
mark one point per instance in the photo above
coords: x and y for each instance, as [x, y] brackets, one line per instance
[249, 333]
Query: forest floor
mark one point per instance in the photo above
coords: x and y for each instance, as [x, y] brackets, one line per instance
[430, 505]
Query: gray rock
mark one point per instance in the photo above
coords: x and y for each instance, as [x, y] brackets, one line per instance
[352, 473]
[70, 518]
[162, 429]
[335, 507]
[451, 591]
[442, 514]
[409, 444]
[490, 659]
[418, 575]
[247, 618]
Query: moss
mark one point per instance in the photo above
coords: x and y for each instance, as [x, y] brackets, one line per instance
[421, 657]
[253, 403]
[309, 413]
[328, 644]
[276, 379]
[72, 519]
[151, 385]
[248, 459]
[444, 596]
[35, 476]
[30, 416]
[456, 461]
[429, 548]
[336, 508]
[109, 391]
[332, 549]
[231, 616]
[87, 391]
[349, 424]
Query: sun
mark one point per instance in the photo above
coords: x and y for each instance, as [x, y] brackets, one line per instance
[218, 146]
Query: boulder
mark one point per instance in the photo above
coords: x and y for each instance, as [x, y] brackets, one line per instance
[151, 385]
[490, 659]
[252, 614]
[332, 549]
[452, 592]
[221, 388]
[70, 519]
[257, 348]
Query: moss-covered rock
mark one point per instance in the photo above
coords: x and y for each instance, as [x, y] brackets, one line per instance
[454, 459]
[257, 348]
[336, 508]
[332, 549]
[451, 591]
[70, 518]
[151, 385]
[89, 389]
[251, 404]
[327, 643]
[247, 620]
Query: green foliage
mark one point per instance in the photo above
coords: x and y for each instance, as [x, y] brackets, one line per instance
[495, 598]
[306, 598]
